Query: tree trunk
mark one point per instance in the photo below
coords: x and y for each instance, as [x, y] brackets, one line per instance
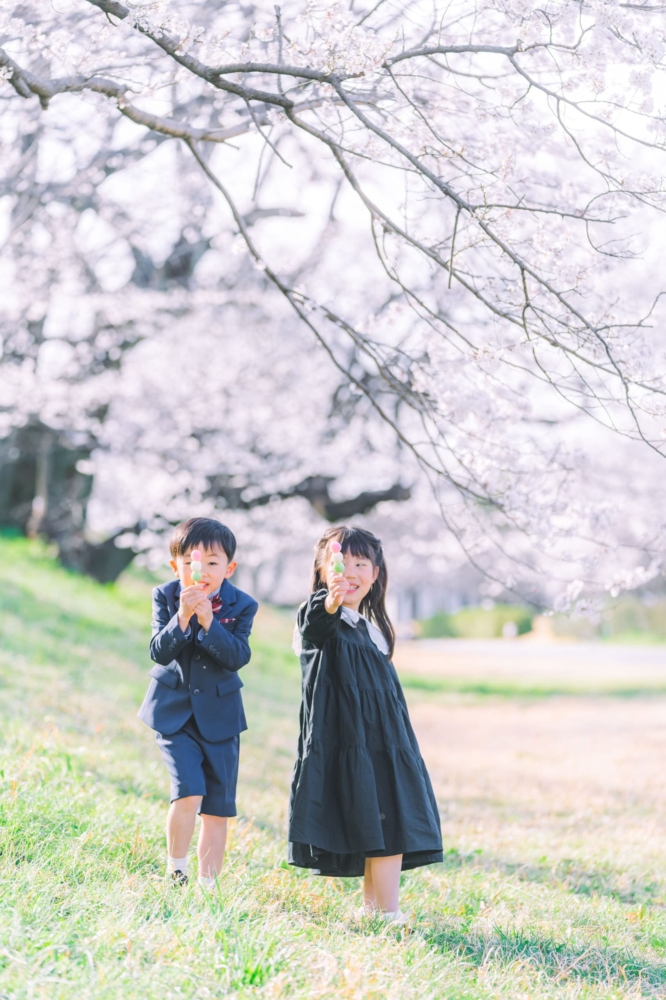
[42, 492]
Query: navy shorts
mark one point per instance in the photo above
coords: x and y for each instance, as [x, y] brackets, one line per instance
[197, 767]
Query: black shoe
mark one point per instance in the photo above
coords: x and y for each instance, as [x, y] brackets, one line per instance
[179, 878]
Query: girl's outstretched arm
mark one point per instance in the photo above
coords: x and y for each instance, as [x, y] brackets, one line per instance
[315, 623]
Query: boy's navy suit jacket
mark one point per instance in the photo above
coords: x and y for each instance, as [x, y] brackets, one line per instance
[198, 677]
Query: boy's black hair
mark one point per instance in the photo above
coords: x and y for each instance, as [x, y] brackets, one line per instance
[361, 543]
[204, 531]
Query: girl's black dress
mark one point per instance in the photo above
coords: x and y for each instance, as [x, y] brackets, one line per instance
[360, 788]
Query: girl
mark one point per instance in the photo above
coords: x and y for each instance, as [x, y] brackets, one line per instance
[361, 800]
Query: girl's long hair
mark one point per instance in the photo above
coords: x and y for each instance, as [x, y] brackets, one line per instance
[362, 543]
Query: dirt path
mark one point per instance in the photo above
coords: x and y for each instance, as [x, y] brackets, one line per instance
[528, 779]
[598, 664]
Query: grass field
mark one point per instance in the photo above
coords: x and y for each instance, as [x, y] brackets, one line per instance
[553, 812]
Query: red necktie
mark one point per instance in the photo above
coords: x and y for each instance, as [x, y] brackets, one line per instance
[216, 601]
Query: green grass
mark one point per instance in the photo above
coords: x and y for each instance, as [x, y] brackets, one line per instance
[516, 689]
[86, 913]
[626, 620]
[477, 622]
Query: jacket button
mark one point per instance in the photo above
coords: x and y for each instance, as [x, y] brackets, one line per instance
[196, 656]
[196, 691]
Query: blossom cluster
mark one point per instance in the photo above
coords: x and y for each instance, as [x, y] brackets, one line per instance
[414, 254]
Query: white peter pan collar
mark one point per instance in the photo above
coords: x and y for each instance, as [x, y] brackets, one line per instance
[353, 617]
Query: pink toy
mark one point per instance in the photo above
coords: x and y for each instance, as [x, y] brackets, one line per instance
[338, 564]
[195, 566]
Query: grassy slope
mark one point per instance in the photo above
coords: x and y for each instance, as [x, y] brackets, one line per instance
[86, 913]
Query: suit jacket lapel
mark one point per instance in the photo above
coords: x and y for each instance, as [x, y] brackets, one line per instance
[173, 598]
[228, 597]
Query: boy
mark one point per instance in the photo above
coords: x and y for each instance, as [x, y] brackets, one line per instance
[200, 642]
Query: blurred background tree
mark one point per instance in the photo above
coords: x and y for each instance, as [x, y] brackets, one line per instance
[388, 261]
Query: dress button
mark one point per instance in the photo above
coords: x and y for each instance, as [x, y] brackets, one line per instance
[196, 691]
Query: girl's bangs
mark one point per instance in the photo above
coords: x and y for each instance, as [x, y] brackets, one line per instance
[354, 543]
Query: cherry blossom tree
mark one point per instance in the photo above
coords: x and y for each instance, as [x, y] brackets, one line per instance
[455, 205]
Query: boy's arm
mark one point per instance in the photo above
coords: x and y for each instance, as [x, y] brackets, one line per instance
[230, 649]
[315, 623]
[168, 637]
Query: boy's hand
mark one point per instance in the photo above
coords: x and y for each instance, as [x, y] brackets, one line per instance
[204, 611]
[190, 598]
[337, 590]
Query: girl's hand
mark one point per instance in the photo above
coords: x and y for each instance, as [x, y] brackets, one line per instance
[337, 590]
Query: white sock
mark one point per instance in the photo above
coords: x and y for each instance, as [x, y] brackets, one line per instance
[206, 883]
[176, 865]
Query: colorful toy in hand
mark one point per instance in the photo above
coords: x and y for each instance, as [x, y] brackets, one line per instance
[338, 565]
[195, 566]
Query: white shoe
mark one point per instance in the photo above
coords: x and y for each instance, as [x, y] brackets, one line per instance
[390, 917]
[394, 917]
